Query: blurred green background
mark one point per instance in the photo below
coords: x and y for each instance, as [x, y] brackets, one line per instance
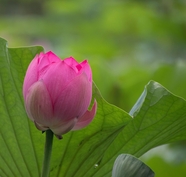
[127, 43]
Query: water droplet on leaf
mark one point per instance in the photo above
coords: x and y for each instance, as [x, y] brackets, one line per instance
[96, 165]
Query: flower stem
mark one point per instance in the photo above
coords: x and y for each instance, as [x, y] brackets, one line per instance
[47, 153]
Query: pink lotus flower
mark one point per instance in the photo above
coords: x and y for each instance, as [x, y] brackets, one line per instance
[57, 93]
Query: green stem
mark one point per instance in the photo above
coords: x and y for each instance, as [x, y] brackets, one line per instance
[47, 153]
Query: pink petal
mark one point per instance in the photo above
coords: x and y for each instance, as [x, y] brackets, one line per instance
[72, 63]
[63, 128]
[56, 78]
[47, 59]
[74, 99]
[86, 118]
[82, 67]
[38, 104]
[53, 58]
[37, 65]
[86, 68]
[41, 127]
[31, 75]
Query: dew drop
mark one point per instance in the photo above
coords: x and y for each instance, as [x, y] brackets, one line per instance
[96, 165]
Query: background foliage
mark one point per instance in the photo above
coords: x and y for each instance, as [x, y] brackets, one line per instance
[127, 43]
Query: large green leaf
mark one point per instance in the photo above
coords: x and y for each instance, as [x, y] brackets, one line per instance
[158, 118]
[127, 165]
